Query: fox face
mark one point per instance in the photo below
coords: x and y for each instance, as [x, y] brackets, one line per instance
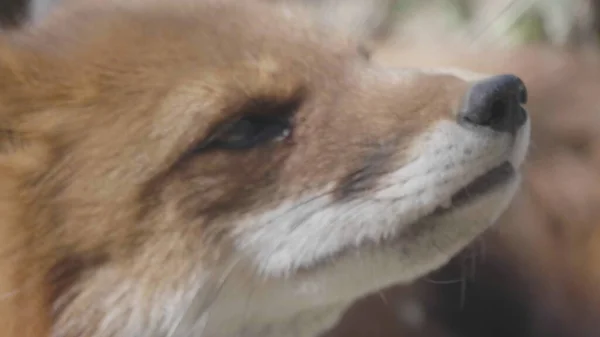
[215, 168]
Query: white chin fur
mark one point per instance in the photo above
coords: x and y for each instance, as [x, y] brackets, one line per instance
[305, 232]
[328, 239]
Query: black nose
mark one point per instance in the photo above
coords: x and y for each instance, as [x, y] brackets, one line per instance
[496, 103]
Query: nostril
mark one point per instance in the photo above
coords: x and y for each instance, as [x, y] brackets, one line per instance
[488, 116]
[498, 112]
[495, 103]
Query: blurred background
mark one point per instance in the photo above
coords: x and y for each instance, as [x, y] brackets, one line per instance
[537, 272]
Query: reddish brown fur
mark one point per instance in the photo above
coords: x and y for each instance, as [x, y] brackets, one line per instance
[103, 104]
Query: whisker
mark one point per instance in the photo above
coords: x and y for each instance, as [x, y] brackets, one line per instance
[247, 307]
[199, 306]
[428, 280]
[383, 298]
[8, 295]
[463, 288]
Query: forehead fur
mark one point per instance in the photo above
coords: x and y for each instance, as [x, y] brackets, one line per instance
[83, 46]
[111, 55]
[128, 58]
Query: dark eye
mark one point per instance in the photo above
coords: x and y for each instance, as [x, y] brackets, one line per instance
[251, 131]
[263, 121]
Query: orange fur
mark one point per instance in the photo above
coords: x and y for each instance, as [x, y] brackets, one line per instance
[113, 213]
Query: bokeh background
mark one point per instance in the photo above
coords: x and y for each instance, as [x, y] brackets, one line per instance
[537, 272]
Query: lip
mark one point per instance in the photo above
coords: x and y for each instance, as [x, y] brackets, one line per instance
[482, 185]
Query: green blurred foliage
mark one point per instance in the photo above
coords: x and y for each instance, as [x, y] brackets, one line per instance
[520, 21]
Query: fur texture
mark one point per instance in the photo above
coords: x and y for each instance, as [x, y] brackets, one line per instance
[121, 217]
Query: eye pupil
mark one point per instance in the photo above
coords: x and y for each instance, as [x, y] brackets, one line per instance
[249, 132]
[238, 131]
[265, 121]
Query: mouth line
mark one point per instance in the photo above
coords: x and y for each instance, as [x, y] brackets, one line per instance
[482, 185]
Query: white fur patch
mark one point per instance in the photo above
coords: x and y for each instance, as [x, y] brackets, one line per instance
[300, 233]
[309, 232]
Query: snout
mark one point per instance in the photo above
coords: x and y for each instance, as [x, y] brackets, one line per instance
[495, 103]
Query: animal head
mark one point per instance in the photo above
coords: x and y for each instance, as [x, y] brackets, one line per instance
[155, 153]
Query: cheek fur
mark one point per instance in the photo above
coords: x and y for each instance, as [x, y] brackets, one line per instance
[301, 231]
